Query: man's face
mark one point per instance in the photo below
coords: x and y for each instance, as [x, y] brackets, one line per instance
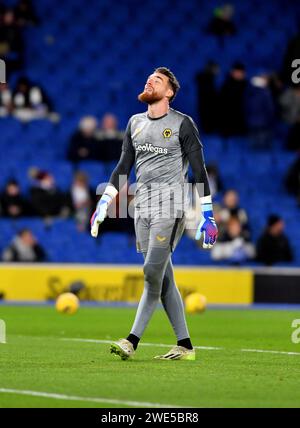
[28, 239]
[157, 87]
[277, 228]
[231, 199]
[12, 189]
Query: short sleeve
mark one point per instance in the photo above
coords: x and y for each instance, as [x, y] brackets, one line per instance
[189, 136]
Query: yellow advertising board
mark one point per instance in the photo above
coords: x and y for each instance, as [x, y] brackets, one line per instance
[119, 283]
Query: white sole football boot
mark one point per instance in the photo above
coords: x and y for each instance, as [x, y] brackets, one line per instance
[178, 353]
[123, 348]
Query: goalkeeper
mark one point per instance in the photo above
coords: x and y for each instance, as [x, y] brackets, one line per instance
[161, 142]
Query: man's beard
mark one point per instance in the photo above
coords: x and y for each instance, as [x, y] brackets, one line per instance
[149, 97]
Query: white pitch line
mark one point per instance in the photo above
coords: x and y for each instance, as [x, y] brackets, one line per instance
[157, 345]
[206, 348]
[98, 400]
[270, 352]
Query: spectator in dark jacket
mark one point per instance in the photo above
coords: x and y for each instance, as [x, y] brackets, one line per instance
[260, 110]
[273, 245]
[293, 179]
[222, 23]
[24, 248]
[25, 13]
[208, 97]
[290, 106]
[30, 101]
[83, 143]
[110, 139]
[46, 199]
[12, 203]
[232, 102]
[11, 45]
[292, 52]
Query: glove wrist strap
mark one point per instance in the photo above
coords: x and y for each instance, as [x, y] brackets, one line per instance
[206, 205]
[109, 194]
[111, 191]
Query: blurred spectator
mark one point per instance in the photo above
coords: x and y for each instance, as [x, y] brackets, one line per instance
[109, 138]
[290, 105]
[292, 52]
[215, 183]
[12, 203]
[24, 248]
[81, 200]
[293, 179]
[233, 246]
[273, 245]
[260, 110]
[30, 101]
[232, 102]
[2, 9]
[83, 142]
[46, 199]
[230, 209]
[276, 86]
[6, 105]
[208, 97]
[222, 23]
[11, 45]
[25, 13]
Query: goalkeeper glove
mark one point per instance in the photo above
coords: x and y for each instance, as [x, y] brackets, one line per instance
[101, 210]
[207, 226]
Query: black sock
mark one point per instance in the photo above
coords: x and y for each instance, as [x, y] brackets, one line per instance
[134, 340]
[186, 343]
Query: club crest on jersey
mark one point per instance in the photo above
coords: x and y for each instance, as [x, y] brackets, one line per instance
[167, 133]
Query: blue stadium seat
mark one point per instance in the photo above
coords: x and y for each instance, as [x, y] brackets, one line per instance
[92, 60]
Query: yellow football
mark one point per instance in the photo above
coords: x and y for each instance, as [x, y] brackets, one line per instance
[195, 303]
[67, 303]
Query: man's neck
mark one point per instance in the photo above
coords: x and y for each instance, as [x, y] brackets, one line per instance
[158, 109]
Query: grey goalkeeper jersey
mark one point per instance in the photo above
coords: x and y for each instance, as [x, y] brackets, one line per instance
[161, 149]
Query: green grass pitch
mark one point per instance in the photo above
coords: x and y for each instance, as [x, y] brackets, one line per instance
[35, 358]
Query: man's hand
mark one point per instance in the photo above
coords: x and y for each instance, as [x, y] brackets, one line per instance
[208, 227]
[100, 214]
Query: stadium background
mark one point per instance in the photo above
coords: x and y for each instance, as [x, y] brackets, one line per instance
[94, 59]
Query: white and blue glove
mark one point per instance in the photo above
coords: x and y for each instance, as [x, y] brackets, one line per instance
[207, 226]
[101, 210]
[100, 214]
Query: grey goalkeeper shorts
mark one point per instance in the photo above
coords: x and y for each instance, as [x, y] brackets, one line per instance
[154, 231]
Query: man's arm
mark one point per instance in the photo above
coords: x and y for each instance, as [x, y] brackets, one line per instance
[193, 149]
[117, 179]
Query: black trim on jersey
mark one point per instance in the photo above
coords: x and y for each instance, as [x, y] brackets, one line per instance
[173, 234]
[157, 118]
[192, 148]
[196, 161]
[189, 136]
[126, 161]
[127, 141]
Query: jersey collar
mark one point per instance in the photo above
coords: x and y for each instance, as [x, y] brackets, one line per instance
[157, 118]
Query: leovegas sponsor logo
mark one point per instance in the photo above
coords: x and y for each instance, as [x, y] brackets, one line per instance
[148, 147]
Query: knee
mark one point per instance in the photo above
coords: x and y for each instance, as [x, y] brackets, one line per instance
[153, 278]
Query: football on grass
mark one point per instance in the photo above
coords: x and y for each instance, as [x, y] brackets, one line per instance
[67, 303]
[195, 303]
